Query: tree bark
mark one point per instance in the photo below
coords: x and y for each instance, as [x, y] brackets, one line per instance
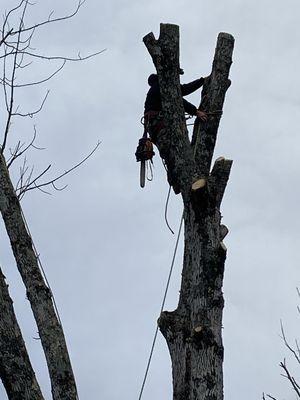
[16, 371]
[193, 330]
[40, 298]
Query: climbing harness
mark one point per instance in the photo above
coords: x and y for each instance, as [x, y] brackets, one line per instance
[144, 154]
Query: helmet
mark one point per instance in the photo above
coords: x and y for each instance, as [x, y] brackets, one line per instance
[152, 79]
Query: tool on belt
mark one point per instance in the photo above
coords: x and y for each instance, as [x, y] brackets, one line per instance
[144, 154]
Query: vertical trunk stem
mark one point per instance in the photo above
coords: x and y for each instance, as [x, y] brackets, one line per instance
[40, 298]
[16, 371]
[193, 330]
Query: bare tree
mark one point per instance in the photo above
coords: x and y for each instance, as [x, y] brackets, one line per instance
[294, 351]
[193, 330]
[16, 55]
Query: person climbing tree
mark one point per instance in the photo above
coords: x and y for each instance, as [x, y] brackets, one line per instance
[153, 118]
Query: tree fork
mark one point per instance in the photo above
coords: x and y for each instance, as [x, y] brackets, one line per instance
[193, 330]
[40, 298]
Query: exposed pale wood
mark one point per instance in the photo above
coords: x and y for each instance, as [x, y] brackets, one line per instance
[199, 184]
[198, 329]
[223, 246]
[16, 372]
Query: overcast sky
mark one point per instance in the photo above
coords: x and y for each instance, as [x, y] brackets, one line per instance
[103, 241]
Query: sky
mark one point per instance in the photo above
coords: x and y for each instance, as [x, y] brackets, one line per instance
[103, 241]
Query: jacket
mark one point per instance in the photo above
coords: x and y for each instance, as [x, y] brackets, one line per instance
[153, 100]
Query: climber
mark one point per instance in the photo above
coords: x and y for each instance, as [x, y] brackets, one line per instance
[152, 114]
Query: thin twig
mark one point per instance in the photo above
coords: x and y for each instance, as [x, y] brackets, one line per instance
[49, 20]
[33, 184]
[11, 102]
[31, 114]
[287, 344]
[45, 79]
[17, 153]
[290, 378]
[78, 58]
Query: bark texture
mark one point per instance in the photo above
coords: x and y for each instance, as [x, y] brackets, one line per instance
[16, 371]
[193, 330]
[172, 142]
[40, 298]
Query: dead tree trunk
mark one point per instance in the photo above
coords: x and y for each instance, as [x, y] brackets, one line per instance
[193, 330]
[40, 298]
[16, 371]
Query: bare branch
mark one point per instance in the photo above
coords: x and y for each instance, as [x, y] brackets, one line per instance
[79, 58]
[9, 14]
[287, 343]
[269, 396]
[41, 190]
[17, 152]
[5, 37]
[290, 378]
[23, 170]
[49, 20]
[45, 79]
[31, 114]
[11, 102]
[26, 186]
[33, 184]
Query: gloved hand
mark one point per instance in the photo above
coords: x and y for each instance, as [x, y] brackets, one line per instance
[202, 115]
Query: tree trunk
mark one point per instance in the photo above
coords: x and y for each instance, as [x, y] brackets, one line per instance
[193, 330]
[39, 296]
[16, 371]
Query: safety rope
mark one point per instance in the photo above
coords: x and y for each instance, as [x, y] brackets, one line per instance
[42, 270]
[149, 170]
[161, 309]
[166, 210]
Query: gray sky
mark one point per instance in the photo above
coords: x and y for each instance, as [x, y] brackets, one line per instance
[103, 240]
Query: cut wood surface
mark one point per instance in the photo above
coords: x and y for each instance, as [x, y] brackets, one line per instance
[199, 184]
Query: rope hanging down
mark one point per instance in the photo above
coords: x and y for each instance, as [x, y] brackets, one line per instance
[41, 266]
[161, 308]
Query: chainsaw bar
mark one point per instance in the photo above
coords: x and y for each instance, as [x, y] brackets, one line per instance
[142, 173]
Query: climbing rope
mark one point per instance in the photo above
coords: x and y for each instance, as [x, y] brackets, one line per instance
[41, 267]
[149, 170]
[42, 270]
[161, 308]
[166, 210]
